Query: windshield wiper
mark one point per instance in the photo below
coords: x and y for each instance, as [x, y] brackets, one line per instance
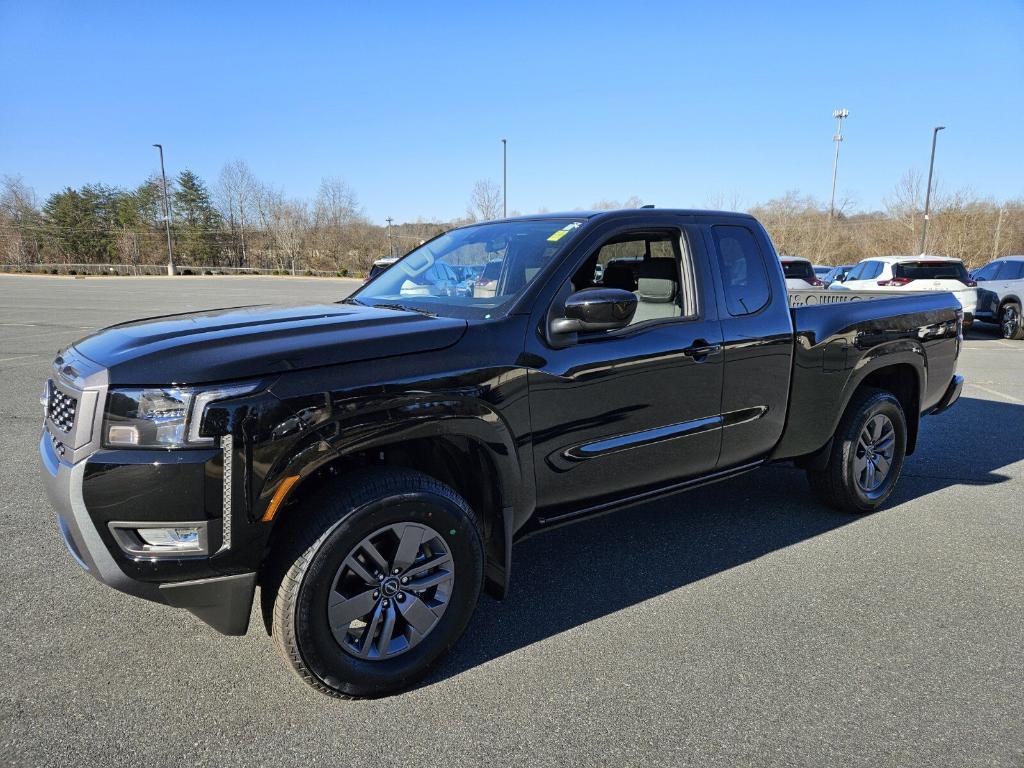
[406, 308]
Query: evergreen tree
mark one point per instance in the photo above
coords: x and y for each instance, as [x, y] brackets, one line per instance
[196, 220]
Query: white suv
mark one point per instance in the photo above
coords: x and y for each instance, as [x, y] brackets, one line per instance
[914, 273]
[1005, 278]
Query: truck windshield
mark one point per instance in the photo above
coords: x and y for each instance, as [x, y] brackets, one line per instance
[931, 270]
[472, 272]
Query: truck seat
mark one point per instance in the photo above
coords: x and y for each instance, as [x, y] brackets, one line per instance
[657, 290]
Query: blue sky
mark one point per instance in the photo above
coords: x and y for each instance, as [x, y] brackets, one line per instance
[681, 104]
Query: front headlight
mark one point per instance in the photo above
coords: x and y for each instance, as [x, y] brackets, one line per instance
[161, 417]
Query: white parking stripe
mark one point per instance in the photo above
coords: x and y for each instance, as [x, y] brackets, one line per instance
[17, 357]
[1011, 398]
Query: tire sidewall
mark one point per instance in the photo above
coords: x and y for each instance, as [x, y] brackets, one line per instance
[317, 645]
[886, 405]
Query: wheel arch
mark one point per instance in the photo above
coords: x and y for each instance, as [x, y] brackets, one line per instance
[475, 456]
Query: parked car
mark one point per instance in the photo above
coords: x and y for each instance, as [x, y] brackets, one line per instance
[379, 266]
[369, 464]
[915, 273]
[487, 283]
[468, 275]
[799, 272]
[837, 274]
[1005, 278]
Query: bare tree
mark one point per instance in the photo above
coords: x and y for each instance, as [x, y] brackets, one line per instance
[485, 201]
[236, 193]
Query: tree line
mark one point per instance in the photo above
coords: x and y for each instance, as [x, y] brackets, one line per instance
[242, 223]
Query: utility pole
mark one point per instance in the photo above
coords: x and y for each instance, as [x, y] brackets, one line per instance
[928, 192]
[167, 213]
[839, 115]
[241, 228]
[504, 178]
[391, 241]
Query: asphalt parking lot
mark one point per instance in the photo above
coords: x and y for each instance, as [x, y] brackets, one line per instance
[737, 624]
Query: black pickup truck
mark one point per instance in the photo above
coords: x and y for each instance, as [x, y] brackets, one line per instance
[369, 464]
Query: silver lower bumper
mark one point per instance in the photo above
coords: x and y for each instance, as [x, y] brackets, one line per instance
[63, 484]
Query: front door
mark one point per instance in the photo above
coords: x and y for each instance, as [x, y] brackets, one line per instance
[621, 412]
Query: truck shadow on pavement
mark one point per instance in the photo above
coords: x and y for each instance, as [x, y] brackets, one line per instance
[578, 573]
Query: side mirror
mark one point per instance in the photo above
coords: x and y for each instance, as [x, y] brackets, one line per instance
[596, 309]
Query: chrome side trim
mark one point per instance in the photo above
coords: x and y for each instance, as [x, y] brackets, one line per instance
[227, 447]
[644, 437]
[744, 415]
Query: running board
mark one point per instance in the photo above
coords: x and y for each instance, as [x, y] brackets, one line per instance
[650, 495]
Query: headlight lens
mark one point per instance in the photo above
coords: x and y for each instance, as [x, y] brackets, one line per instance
[160, 417]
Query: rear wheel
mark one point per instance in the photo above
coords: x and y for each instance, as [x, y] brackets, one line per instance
[379, 581]
[866, 456]
[1010, 321]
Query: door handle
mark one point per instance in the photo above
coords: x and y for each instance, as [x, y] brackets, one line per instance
[700, 350]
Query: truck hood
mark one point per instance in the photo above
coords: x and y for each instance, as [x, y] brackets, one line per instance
[243, 342]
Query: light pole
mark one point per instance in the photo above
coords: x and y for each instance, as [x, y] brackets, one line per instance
[504, 178]
[839, 115]
[167, 213]
[391, 242]
[928, 192]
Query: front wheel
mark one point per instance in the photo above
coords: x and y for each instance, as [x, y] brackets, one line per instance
[381, 579]
[866, 456]
[1010, 321]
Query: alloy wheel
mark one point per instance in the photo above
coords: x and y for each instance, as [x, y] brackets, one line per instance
[872, 459]
[1010, 322]
[390, 591]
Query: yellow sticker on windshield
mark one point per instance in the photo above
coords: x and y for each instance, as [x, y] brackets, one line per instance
[563, 232]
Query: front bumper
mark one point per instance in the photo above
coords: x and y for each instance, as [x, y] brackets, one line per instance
[222, 601]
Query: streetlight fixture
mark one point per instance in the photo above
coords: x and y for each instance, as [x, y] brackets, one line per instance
[504, 178]
[839, 115]
[928, 192]
[391, 242]
[167, 213]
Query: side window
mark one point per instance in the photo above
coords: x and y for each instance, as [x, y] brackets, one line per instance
[744, 275]
[653, 265]
[874, 270]
[1015, 270]
[856, 272]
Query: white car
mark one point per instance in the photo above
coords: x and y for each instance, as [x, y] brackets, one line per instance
[914, 273]
[799, 274]
[1005, 278]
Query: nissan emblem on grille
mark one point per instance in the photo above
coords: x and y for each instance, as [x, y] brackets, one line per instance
[61, 409]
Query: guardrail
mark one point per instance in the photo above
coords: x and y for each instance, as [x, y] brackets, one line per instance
[137, 270]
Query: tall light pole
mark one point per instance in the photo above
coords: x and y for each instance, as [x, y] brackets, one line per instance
[167, 213]
[504, 178]
[928, 192]
[839, 115]
[391, 242]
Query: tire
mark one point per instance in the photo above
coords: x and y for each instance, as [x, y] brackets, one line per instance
[841, 484]
[384, 507]
[1011, 326]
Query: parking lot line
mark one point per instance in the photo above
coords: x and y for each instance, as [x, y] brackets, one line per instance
[995, 392]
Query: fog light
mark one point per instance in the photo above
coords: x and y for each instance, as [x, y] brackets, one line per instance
[153, 541]
[171, 539]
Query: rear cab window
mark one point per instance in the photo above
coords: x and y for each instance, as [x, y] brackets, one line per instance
[744, 274]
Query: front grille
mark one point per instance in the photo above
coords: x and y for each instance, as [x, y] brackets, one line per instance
[61, 409]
